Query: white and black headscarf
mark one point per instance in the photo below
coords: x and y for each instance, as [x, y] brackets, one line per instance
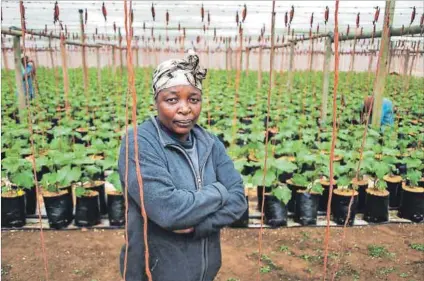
[177, 72]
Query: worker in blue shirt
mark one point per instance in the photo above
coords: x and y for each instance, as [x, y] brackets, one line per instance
[387, 111]
[28, 74]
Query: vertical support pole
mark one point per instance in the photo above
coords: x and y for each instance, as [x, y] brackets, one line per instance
[65, 73]
[406, 62]
[84, 62]
[137, 50]
[312, 55]
[3, 52]
[260, 67]
[226, 54]
[383, 63]
[247, 61]
[391, 54]
[326, 80]
[113, 60]
[121, 59]
[18, 73]
[290, 70]
[99, 73]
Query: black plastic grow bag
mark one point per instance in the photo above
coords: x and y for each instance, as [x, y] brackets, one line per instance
[306, 208]
[412, 205]
[87, 211]
[13, 211]
[275, 211]
[59, 210]
[340, 207]
[376, 208]
[116, 209]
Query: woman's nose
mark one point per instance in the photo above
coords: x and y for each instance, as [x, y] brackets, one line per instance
[184, 108]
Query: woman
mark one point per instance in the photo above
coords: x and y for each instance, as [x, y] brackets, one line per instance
[387, 114]
[191, 188]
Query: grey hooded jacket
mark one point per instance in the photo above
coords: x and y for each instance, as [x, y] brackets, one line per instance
[177, 198]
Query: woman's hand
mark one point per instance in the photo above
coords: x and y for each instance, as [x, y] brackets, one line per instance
[185, 231]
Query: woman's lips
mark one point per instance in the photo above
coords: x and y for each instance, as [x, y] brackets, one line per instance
[184, 123]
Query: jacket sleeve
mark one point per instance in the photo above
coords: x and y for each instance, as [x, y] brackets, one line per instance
[236, 204]
[170, 207]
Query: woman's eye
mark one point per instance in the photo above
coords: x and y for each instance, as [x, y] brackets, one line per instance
[171, 100]
[194, 100]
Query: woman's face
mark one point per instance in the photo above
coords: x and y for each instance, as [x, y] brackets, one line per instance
[179, 108]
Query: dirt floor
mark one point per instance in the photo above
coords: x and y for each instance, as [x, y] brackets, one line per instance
[385, 252]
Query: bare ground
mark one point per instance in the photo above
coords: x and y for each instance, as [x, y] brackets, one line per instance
[381, 252]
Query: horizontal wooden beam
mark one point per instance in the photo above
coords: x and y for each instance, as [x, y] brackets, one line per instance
[18, 32]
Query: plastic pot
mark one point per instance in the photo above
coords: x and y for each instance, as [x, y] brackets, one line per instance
[306, 207]
[361, 186]
[260, 193]
[291, 205]
[412, 203]
[275, 211]
[340, 206]
[59, 208]
[323, 199]
[12, 210]
[116, 208]
[377, 206]
[394, 187]
[87, 210]
[99, 186]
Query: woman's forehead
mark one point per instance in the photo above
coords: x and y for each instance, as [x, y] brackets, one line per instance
[181, 89]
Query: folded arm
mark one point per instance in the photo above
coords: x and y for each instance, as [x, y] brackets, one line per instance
[168, 206]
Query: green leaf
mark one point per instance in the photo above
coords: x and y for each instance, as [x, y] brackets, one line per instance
[23, 179]
[282, 193]
[113, 178]
[413, 176]
[258, 178]
[299, 179]
[283, 165]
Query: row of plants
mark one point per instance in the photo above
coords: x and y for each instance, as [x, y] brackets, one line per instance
[85, 144]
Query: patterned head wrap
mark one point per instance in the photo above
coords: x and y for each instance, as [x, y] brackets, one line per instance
[176, 72]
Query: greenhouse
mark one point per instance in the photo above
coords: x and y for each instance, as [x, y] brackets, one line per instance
[226, 141]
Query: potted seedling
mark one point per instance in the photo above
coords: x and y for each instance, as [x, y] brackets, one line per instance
[412, 200]
[115, 201]
[57, 195]
[12, 205]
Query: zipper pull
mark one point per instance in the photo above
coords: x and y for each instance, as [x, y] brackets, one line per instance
[199, 181]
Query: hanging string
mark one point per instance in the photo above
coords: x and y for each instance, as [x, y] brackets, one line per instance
[333, 135]
[132, 89]
[31, 132]
[266, 135]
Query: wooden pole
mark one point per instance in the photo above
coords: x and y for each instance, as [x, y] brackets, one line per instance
[290, 70]
[113, 60]
[84, 62]
[383, 63]
[99, 73]
[247, 61]
[326, 81]
[260, 67]
[406, 62]
[121, 59]
[5, 61]
[65, 74]
[18, 73]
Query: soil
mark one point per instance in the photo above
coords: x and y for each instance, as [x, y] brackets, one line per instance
[380, 252]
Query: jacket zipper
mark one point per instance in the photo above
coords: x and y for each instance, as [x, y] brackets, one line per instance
[205, 241]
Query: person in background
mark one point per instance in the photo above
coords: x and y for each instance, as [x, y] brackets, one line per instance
[190, 185]
[28, 74]
[387, 111]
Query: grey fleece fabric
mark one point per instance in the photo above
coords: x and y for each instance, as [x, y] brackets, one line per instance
[175, 198]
